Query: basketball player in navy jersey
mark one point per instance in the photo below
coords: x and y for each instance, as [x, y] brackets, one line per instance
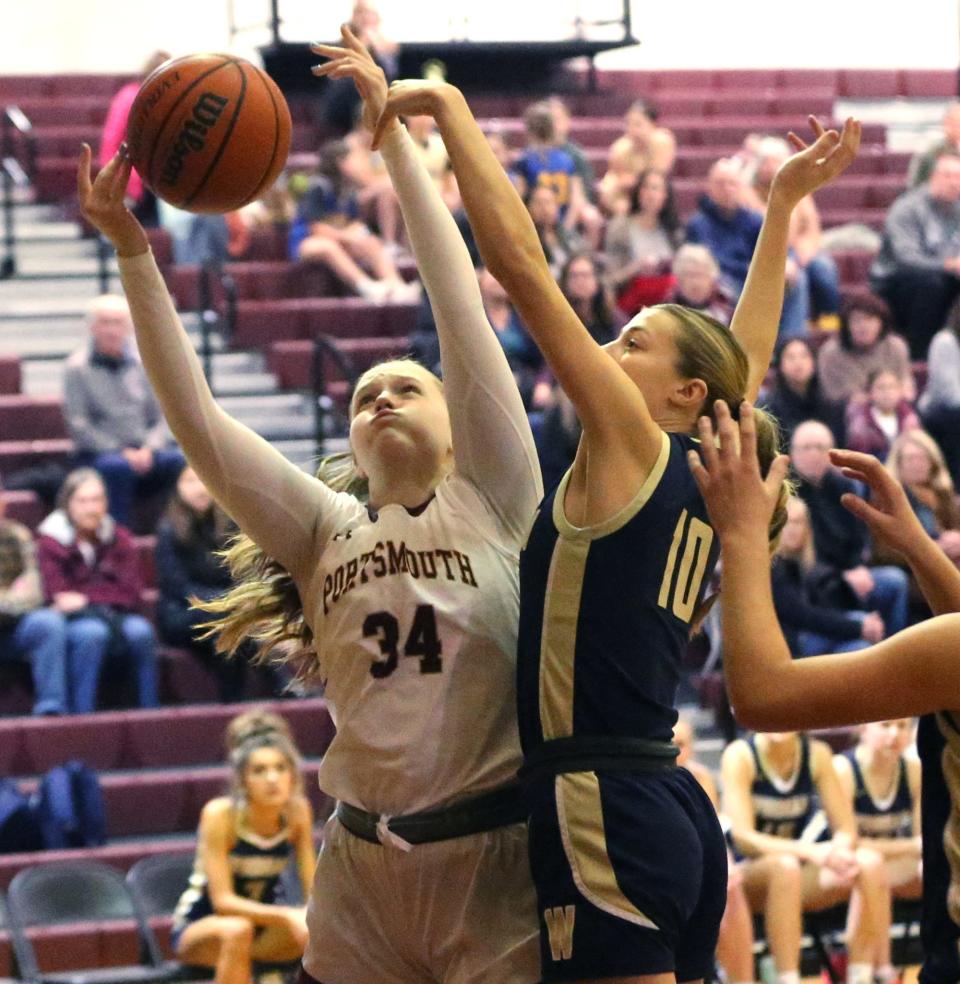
[884, 787]
[626, 850]
[770, 782]
[915, 672]
[230, 913]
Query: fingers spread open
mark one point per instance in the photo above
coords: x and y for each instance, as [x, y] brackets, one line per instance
[777, 473]
[727, 429]
[708, 443]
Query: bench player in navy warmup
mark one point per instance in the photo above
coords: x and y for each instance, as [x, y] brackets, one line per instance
[627, 854]
[916, 671]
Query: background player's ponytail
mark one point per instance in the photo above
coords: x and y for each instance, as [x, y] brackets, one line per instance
[264, 605]
[709, 351]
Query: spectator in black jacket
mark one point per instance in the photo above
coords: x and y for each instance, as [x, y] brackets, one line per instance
[839, 539]
[188, 538]
[796, 394]
[805, 592]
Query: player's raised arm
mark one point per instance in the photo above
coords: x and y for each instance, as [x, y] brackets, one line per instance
[275, 503]
[914, 672]
[492, 442]
[757, 317]
[609, 405]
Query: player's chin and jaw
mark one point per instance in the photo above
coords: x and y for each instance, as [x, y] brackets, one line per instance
[410, 437]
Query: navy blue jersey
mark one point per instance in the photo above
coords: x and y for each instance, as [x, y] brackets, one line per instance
[889, 817]
[605, 612]
[938, 741]
[782, 807]
[256, 864]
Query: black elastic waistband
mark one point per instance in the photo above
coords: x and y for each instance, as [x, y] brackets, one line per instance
[599, 753]
[488, 811]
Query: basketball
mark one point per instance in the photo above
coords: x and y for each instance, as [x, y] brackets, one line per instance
[209, 133]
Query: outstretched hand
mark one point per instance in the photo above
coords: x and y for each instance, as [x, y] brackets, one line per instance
[888, 515]
[102, 202]
[352, 60]
[817, 164]
[738, 499]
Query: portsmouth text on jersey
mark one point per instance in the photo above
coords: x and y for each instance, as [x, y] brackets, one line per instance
[387, 559]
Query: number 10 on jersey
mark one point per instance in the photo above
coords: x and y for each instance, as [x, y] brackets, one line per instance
[696, 537]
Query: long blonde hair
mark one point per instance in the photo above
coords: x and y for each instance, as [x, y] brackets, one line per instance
[806, 556]
[264, 605]
[709, 351]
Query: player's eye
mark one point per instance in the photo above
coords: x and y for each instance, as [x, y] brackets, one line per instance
[410, 388]
[364, 398]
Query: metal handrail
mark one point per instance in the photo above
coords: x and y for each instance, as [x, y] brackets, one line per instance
[13, 174]
[324, 345]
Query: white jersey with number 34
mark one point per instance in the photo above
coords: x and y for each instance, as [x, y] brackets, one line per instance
[416, 622]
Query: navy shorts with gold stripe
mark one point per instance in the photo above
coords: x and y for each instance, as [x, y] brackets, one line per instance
[631, 874]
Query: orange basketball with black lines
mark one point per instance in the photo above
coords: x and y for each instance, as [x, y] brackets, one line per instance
[209, 133]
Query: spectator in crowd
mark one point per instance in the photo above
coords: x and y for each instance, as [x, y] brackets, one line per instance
[112, 415]
[769, 784]
[581, 163]
[921, 166]
[839, 539]
[590, 219]
[917, 270]
[797, 395]
[558, 241]
[340, 102]
[864, 344]
[28, 631]
[329, 230]
[91, 575]
[808, 262]
[543, 163]
[497, 138]
[144, 202]
[696, 283]
[641, 243]
[522, 354]
[875, 423]
[939, 404]
[644, 146]
[882, 785]
[918, 464]
[582, 284]
[806, 595]
[189, 537]
[725, 226]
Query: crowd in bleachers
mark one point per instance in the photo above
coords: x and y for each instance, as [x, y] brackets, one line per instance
[870, 362]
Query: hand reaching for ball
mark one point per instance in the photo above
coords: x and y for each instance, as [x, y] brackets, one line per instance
[102, 202]
[354, 61]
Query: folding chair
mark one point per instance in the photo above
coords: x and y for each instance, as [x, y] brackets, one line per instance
[78, 892]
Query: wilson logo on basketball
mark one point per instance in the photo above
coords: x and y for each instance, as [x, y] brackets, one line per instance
[192, 136]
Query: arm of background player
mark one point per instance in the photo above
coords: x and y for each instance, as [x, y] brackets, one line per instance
[492, 442]
[271, 500]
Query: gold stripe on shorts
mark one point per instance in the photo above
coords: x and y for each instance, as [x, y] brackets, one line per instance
[585, 843]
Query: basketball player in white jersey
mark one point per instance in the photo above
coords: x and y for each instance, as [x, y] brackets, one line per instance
[408, 596]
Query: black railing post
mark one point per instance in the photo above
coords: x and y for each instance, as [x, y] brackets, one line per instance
[208, 319]
[104, 252]
[8, 265]
[321, 401]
